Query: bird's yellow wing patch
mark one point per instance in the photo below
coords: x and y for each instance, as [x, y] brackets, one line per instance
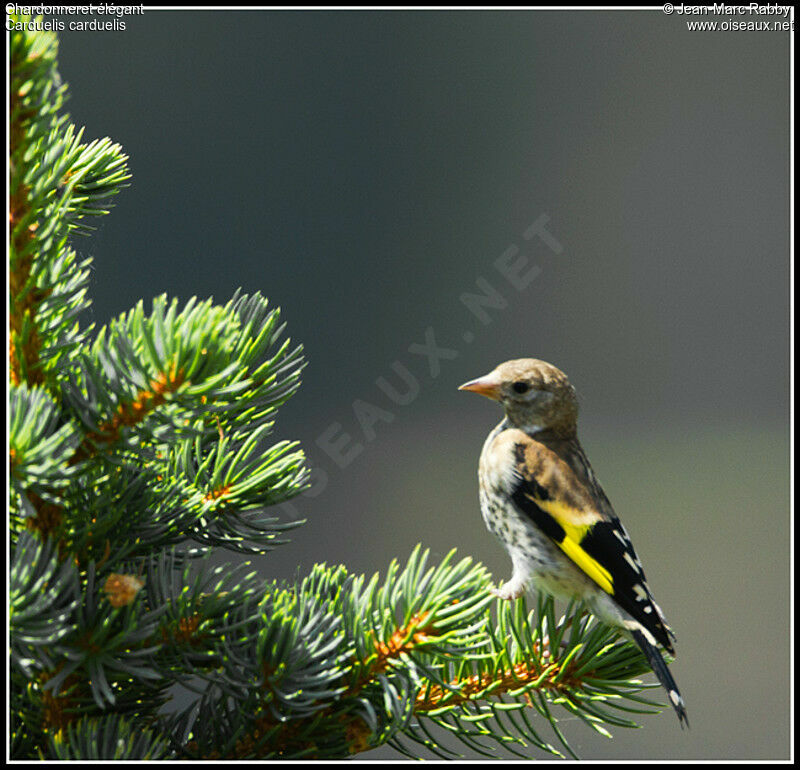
[574, 534]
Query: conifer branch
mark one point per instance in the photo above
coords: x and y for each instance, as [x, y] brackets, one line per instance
[140, 450]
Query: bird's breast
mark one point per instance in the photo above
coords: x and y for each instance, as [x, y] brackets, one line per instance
[497, 467]
[497, 477]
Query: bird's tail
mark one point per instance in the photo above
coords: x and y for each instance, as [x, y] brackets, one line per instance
[662, 672]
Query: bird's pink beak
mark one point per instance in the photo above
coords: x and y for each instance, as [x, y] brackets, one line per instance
[488, 386]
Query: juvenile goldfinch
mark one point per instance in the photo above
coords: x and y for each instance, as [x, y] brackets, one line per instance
[540, 497]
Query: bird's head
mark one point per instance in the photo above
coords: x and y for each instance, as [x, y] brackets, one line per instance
[535, 395]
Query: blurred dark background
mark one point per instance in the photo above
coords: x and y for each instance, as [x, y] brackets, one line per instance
[364, 170]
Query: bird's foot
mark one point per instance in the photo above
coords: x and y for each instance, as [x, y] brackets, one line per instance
[509, 591]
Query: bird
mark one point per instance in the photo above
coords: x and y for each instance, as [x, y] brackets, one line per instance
[540, 497]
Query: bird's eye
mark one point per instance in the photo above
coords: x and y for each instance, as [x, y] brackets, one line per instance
[520, 387]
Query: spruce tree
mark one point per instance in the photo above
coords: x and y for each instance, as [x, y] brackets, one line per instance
[140, 449]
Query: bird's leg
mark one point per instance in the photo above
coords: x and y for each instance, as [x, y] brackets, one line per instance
[515, 587]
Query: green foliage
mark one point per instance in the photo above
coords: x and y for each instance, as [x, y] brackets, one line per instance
[141, 450]
[112, 737]
[56, 184]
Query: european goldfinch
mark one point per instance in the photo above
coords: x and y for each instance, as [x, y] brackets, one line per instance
[540, 497]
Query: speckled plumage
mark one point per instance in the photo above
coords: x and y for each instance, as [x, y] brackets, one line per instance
[542, 500]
